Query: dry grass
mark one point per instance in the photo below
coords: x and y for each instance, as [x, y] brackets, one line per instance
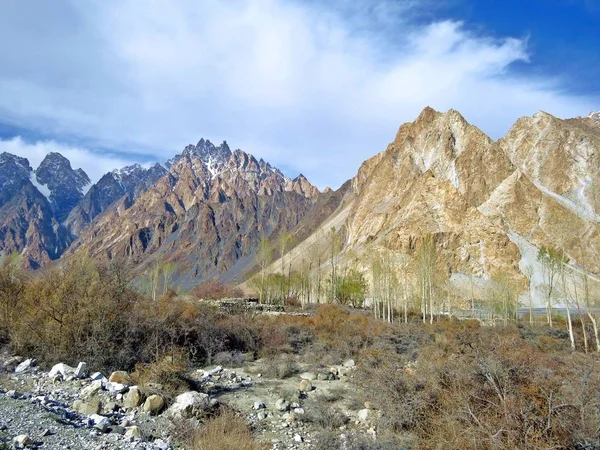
[224, 432]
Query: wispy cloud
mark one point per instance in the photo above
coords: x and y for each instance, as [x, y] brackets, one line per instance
[315, 88]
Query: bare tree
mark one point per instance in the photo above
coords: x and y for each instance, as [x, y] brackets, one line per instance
[263, 256]
[550, 259]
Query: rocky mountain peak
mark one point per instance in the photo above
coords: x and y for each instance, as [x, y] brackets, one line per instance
[64, 187]
[594, 117]
[11, 165]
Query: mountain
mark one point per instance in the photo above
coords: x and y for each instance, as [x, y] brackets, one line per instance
[207, 214]
[487, 205]
[63, 186]
[130, 181]
[27, 220]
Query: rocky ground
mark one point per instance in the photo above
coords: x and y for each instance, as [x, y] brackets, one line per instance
[68, 408]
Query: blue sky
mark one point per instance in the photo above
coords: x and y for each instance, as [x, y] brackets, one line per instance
[313, 87]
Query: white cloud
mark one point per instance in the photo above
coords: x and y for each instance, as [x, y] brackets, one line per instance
[94, 164]
[318, 89]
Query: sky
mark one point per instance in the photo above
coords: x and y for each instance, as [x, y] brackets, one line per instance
[313, 87]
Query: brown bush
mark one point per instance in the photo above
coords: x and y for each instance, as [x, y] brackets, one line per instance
[216, 290]
[225, 431]
[165, 376]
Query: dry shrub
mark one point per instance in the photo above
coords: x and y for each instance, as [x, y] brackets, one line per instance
[280, 367]
[165, 376]
[324, 416]
[216, 290]
[226, 431]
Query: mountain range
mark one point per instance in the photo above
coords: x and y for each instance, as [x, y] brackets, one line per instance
[489, 205]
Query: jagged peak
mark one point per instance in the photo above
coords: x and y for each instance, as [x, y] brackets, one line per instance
[6, 157]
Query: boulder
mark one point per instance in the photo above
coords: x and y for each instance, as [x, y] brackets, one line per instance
[153, 405]
[133, 398]
[99, 422]
[91, 389]
[12, 362]
[61, 369]
[121, 377]
[282, 405]
[364, 415]
[98, 376]
[22, 441]
[115, 388]
[25, 365]
[134, 432]
[349, 363]
[87, 408]
[188, 405]
[258, 405]
[81, 371]
[305, 386]
[311, 376]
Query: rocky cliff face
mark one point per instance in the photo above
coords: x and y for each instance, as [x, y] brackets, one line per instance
[488, 205]
[207, 214]
[129, 181]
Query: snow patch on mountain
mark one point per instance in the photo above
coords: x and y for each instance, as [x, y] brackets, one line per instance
[44, 190]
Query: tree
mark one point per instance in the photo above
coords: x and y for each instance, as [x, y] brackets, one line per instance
[352, 288]
[263, 257]
[12, 285]
[168, 268]
[551, 260]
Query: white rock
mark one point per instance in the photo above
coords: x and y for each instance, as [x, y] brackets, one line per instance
[298, 438]
[81, 370]
[99, 422]
[364, 414]
[299, 411]
[259, 405]
[186, 405]
[98, 376]
[282, 405]
[61, 369]
[349, 363]
[25, 365]
[22, 441]
[115, 388]
[215, 371]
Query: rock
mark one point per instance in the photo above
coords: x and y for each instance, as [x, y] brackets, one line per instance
[46, 432]
[258, 405]
[368, 405]
[364, 414]
[81, 371]
[133, 398]
[310, 376]
[98, 376]
[115, 388]
[110, 407]
[125, 423]
[349, 363]
[325, 376]
[298, 438]
[61, 369]
[12, 362]
[99, 422]
[117, 429]
[215, 371]
[299, 411]
[14, 394]
[92, 406]
[22, 441]
[282, 405]
[261, 416]
[120, 377]
[305, 386]
[153, 405]
[188, 405]
[134, 432]
[25, 365]
[159, 444]
[92, 388]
